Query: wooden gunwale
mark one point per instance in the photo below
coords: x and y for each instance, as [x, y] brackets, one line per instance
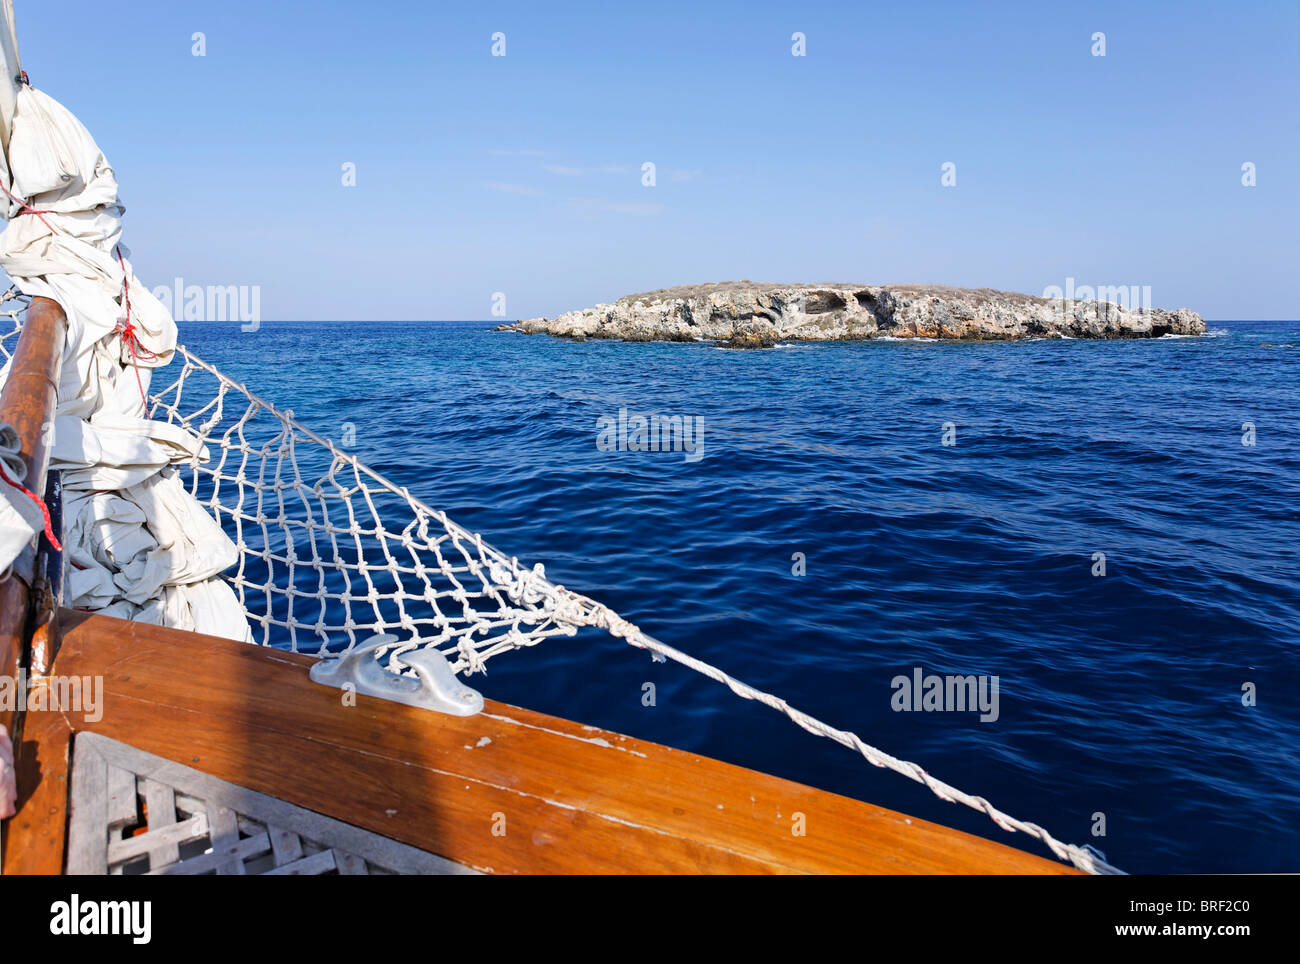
[510, 790]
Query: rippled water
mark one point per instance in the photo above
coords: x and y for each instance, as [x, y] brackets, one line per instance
[1119, 694]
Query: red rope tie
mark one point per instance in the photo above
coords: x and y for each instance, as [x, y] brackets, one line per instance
[28, 209]
[127, 331]
[45, 510]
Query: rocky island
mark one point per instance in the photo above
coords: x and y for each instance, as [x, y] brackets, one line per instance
[745, 314]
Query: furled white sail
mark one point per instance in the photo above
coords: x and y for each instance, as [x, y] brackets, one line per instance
[139, 545]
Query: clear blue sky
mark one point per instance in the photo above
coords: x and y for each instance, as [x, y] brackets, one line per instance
[522, 174]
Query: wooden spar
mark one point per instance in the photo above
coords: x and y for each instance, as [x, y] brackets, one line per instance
[509, 790]
[27, 403]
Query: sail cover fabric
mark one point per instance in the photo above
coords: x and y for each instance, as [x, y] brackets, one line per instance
[139, 545]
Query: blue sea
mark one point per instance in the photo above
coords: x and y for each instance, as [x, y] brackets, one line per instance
[826, 541]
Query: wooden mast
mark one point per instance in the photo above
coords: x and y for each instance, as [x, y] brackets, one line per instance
[27, 403]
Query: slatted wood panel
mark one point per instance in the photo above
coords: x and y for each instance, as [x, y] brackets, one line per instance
[136, 813]
[508, 791]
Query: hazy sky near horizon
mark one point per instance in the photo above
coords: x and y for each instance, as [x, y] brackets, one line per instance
[522, 174]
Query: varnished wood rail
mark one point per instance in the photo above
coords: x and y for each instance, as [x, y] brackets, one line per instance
[27, 403]
[509, 790]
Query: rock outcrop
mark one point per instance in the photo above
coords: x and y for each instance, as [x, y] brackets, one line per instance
[748, 315]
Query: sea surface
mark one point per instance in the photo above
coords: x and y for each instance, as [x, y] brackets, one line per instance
[826, 541]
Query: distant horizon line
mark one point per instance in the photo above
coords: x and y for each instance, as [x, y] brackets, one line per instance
[498, 321]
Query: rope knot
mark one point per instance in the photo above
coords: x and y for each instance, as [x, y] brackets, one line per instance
[127, 330]
[474, 663]
[526, 586]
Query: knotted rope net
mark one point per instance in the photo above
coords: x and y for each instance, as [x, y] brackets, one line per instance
[332, 553]
[12, 306]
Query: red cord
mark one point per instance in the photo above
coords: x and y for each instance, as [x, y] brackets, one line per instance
[45, 510]
[28, 209]
[127, 330]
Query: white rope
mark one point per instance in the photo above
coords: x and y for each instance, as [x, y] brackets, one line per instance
[321, 557]
[592, 613]
[14, 315]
